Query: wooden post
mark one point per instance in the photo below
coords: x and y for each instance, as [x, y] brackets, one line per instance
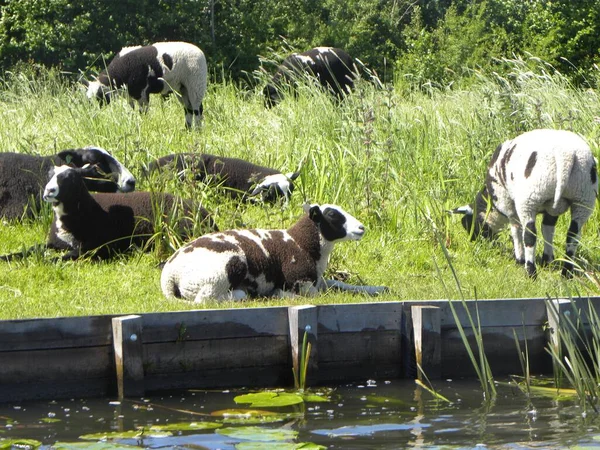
[555, 309]
[428, 340]
[303, 319]
[127, 343]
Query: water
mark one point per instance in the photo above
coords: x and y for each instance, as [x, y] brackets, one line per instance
[374, 415]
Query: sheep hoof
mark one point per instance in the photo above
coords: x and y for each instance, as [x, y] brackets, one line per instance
[546, 259]
[567, 270]
[520, 261]
[531, 270]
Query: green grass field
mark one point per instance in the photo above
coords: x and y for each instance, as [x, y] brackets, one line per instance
[397, 159]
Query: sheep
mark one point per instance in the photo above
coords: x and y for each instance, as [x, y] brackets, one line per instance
[539, 172]
[160, 68]
[107, 223]
[332, 67]
[23, 177]
[236, 264]
[239, 178]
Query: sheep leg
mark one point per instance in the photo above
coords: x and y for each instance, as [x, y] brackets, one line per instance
[193, 108]
[516, 232]
[579, 216]
[548, 228]
[369, 290]
[529, 241]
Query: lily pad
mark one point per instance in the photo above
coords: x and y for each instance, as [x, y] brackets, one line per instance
[314, 398]
[258, 434]
[19, 443]
[186, 426]
[253, 416]
[278, 446]
[135, 434]
[50, 420]
[91, 446]
[269, 399]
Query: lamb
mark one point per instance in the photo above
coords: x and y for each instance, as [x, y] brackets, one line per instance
[539, 172]
[108, 223]
[160, 68]
[235, 264]
[333, 68]
[23, 177]
[239, 178]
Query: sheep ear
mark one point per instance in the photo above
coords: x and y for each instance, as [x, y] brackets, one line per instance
[467, 210]
[315, 214]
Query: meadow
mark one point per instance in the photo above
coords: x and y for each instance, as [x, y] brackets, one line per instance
[395, 157]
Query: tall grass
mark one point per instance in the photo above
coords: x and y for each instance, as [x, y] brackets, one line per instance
[395, 158]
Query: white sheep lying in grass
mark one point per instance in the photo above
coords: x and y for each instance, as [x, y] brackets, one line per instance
[235, 264]
[539, 172]
[160, 68]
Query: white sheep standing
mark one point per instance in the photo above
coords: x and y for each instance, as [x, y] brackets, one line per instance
[160, 68]
[539, 172]
[235, 264]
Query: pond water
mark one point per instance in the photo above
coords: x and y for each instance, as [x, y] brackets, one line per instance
[377, 414]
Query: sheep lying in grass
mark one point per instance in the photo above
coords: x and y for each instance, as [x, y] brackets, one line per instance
[333, 68]
[107, 224]
[539, 172]
[160, 68]
[239, 178]
[23, 177]
[257, 263]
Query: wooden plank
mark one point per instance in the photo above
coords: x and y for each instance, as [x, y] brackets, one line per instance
[36, 334]
[357, 371]
[223, 354]
[369, 346]
[215, 324]
[75, 364]
[492, 313]
[359, 317]
[500, 349]
[127, 345]
[427, 340]
[249, 377]
[56, 389]
[303, 320]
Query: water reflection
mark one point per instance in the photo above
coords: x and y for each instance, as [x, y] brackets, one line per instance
[382, 414]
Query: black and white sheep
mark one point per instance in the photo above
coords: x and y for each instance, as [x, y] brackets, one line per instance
[539, 172]
[23, 177]
[235, 264]
[160, 68]
[239, 178]
[109, 223]
[333, 68]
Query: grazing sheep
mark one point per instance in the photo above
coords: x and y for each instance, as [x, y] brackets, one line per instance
[106, 223]
[239, 263]
[332, 67]
[240, 178]
[23, 177]
[539, 172]
[160, 68]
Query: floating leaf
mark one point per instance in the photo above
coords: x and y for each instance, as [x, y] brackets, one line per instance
[91, 446]
[278, 446]
[186, 426]
[135, 434]
[269, 399]
[253, 416]
[258, 434]
[241, 413]
[50, 420]
[314, 398]
[386, 401]
[19, 443]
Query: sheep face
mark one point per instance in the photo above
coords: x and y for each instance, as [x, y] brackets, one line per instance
[335, 224]
[106, 166]
[99, 91]
[65, 180]
[274, 187]
[484, 220]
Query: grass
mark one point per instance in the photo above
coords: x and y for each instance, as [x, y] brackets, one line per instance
[395, 158]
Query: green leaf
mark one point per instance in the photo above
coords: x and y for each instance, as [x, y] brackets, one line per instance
[258, 434]
[91, 446]
[186, 426]
[135, 434]
[50, 420]
[269, 399]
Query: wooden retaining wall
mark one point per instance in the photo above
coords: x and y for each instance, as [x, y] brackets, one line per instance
[257, 347]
